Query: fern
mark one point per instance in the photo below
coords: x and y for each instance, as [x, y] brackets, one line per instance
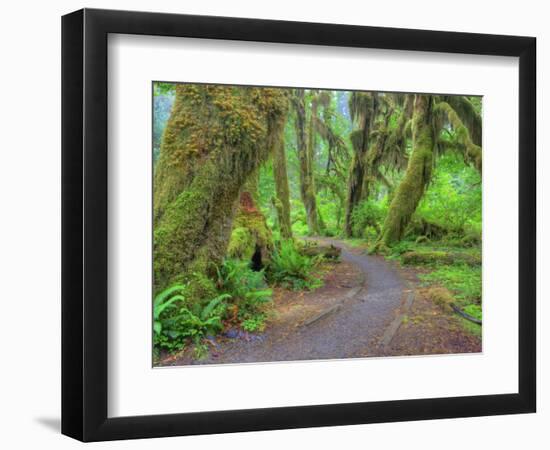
[209, 308]
[292, 269]
[163, 302]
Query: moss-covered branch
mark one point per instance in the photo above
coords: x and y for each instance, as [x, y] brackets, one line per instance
[471, 150]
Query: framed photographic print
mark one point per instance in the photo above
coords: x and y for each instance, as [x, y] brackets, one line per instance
[273, 224]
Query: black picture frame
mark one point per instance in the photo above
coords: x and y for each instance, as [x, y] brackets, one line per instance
[84, 224]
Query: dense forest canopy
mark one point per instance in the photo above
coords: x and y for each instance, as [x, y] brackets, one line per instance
[241, 172]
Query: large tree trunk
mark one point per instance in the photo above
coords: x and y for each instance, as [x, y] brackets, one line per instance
[305, 145]
[282, 199]
[214, 140]
[362, 110]
[419, 170]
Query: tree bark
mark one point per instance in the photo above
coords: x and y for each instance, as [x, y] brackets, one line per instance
[215, 139]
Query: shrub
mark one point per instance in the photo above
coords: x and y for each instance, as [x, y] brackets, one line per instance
[300, 228]
[367, 219]
[254, 323]
[247, 288]
[401, 247]
[290, 268]
[163, 304]
[175, 321]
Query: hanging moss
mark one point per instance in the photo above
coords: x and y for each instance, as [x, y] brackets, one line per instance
[305, 145]
[280, 174]
[471, 150]
[215, 138]
[468, 114]
[362, 108]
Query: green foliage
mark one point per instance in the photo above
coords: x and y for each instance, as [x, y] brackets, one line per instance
[431, 257]
[163, 88]
[247, 289]
[291, 269]
[176, 321]
[254, 323]
[401, 248]
[453, 199]
[367, 218]
[462, 280]
[163, 303]
[473, 310]
[419, 201]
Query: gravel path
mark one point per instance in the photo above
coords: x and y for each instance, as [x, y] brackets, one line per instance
[349, 325]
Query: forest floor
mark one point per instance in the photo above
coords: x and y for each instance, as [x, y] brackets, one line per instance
[368, 306]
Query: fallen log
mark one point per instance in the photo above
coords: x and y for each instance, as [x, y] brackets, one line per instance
[327, 251]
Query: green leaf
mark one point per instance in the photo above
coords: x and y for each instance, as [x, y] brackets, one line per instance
[212, 304]
[164, 294]
[157, 326]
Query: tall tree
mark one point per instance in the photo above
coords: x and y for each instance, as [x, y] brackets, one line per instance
[418, 173]
[280, 174]
[430, 115]
[215, 139]
[305, 143]
[362, 110]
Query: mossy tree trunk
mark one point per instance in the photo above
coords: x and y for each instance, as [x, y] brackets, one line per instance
[214, 140]
[251, 239]
[376, 151]
[418, 174]
[280, 174]
[305, 147]
[361, 107]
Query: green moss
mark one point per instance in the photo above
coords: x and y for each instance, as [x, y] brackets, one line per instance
[250, 232]
[214, 140]
[440, 296]
[418, 174]
[242, 244]
[439, 257]
[362, 106]
[280, 175]
[472, 151]
[305, 146]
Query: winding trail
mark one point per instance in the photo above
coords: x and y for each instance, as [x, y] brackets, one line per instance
[349, 325]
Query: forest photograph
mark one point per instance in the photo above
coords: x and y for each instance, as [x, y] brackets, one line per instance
[294, 224]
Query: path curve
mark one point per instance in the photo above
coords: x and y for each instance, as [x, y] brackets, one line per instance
[352, 330]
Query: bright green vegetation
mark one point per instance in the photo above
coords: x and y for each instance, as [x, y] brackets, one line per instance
[241, 173]
[291, 269]
[176, 320]
[463, 280]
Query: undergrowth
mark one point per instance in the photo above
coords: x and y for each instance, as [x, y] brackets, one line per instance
[290, 269]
